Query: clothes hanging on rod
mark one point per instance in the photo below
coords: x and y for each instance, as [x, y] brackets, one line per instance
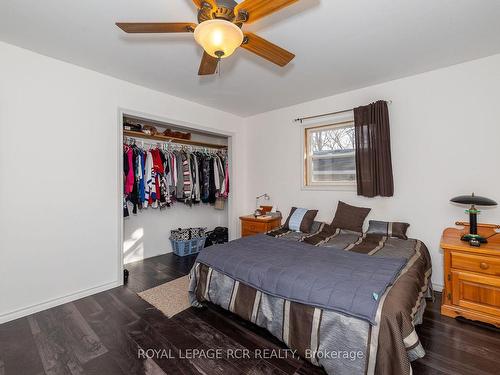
[157, 175]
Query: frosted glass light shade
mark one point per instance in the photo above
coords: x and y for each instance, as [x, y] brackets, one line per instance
[219, 38]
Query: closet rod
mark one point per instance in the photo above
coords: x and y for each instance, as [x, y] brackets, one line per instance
[171, 145]
[162, 138]
[302, 119]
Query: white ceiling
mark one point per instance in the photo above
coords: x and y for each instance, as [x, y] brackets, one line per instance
[340, 45]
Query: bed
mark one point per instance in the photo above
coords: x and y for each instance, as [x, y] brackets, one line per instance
[346, 301]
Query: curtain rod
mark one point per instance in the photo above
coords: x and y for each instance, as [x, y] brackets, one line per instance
[301, 119]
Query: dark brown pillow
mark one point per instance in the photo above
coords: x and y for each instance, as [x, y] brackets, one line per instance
[301, 220]
[388, 229]
[350, 217]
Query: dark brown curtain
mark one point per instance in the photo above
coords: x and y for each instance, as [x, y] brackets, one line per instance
[373, 150]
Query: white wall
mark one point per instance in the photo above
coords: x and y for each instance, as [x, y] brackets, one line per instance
[147, 233]
[445, 130]
[59, 189]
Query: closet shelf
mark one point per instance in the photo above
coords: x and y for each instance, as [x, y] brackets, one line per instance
[130, 133]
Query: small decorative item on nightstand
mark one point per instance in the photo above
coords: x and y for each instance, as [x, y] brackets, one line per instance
[258, 210]
[472, 275]
[473, 237]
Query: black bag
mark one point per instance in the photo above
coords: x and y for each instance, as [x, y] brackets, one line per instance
[219, 235]
[208, 242]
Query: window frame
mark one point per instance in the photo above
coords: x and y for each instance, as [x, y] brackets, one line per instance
[306, 177]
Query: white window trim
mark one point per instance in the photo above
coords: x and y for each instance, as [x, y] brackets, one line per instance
[323, 186]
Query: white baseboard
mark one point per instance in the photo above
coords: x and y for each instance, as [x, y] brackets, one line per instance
[19, 313]
[437, 287]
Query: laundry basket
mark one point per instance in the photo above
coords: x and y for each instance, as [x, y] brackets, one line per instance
[188, 247]
[187, 241]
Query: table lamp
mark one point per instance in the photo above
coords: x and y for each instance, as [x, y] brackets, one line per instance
[473, 200]
[257, 209]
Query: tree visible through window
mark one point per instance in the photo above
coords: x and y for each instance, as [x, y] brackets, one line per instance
[330, 156]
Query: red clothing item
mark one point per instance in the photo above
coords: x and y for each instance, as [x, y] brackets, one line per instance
[157, 162]
[159, 168]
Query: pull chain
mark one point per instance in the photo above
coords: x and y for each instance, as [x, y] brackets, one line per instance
[219, 55]
[219, 66]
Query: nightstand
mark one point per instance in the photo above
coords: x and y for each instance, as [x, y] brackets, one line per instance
[472, 275]
[251, 225]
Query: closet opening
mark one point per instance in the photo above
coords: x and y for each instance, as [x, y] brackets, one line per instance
[172, 177]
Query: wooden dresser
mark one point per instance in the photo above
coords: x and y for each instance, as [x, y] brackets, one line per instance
[472, 275]
[251, 225]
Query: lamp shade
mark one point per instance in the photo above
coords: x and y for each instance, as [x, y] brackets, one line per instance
[474, 199]
[219, 38]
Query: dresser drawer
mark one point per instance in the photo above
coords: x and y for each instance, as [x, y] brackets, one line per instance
[476, 292]
[253, 227]
[476, 263]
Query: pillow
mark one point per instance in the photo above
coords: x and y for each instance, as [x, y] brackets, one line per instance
[300, 220]
[317, 226]
[389, 229]
[350, 217]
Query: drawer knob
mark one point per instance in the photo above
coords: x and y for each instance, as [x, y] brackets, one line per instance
[484, 266]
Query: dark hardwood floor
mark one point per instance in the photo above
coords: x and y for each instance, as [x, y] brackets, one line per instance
[101, 335]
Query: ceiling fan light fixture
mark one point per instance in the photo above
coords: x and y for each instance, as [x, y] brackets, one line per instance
[219, 38]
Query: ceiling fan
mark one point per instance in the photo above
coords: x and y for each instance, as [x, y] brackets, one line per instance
[219, 30]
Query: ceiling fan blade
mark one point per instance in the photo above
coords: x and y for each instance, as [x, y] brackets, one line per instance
[208, 65]
[159, 27]
[199, 3]
[257, 9]
[267, 50]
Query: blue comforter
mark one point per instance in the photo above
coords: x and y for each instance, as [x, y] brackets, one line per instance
[328, 278]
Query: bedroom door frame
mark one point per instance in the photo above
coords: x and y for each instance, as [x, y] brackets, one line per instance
[175, 122]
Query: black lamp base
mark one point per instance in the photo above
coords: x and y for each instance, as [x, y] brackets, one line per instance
[472, 237]
[476, 237]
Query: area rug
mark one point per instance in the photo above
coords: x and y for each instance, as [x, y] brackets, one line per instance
[170, 298]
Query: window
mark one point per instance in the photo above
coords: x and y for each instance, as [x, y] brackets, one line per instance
[329, 155]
